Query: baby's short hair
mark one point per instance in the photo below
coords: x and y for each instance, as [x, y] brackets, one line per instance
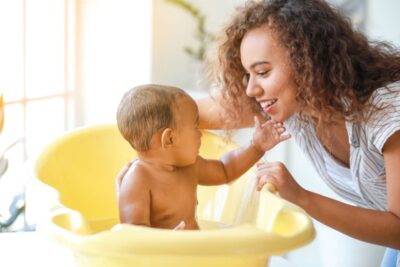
[144, 110]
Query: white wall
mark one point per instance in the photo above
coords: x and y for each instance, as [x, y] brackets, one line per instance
[173, 29]
[384, 20]
[113, 54]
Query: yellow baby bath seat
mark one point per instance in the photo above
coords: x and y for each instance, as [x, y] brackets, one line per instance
[73, 197]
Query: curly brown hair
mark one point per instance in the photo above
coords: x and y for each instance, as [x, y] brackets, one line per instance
[335, 68]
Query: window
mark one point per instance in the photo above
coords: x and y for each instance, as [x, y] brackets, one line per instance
[35, 79]
[65, 63]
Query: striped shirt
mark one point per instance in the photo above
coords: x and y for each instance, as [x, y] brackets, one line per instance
[364, 183]
[367, 187]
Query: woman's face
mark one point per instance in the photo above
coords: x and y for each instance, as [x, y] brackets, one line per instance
[269, 75]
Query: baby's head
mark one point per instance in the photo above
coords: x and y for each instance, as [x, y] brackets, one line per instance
[150, 109]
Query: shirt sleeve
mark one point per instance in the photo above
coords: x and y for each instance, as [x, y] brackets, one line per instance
[386, 120]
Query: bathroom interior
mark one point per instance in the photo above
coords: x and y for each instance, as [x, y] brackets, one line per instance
[65, 65]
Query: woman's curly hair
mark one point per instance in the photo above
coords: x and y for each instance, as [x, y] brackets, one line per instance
[336, 68]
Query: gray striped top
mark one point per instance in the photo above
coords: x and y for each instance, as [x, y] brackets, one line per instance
[366, 142]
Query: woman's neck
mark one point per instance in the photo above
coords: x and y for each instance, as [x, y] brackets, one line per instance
[334, 138]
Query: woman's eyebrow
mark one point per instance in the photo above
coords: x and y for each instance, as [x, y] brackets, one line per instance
[259, 63]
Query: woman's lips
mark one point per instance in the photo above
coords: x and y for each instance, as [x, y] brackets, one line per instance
[267, 105]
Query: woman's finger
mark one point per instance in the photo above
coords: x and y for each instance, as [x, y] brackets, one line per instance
[123, 171]
[270, 187]
[266, 179]
[261, 181]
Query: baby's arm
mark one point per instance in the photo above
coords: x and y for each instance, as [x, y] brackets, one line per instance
[235, 163]
[134, 198]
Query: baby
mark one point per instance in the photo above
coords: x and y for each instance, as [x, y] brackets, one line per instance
[158, 189]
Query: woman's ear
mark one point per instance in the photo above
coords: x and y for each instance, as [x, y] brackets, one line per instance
[167, 138]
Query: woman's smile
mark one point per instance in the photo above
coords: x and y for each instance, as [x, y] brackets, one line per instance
[267, 105]
[269, 73]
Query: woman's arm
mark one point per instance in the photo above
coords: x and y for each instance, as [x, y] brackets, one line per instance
[210, 116]
[372, 226]
[391, 155]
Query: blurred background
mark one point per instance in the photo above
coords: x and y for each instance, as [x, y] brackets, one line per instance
[66, 63]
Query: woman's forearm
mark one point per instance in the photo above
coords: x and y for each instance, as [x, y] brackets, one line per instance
[210, 113]
[372, 226]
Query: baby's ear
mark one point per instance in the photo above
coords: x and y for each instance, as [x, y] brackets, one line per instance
[167, 138]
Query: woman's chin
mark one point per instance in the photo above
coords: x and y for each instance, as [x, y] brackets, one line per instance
[274, 117]
[278, 117]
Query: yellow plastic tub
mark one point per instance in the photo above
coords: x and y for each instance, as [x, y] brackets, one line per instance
[73, 198]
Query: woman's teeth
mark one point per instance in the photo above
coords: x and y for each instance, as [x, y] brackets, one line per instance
[268, 103]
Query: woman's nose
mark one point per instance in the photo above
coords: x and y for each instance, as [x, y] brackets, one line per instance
[253, 89]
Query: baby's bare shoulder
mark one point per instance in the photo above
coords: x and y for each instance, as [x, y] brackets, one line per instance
[138, 175]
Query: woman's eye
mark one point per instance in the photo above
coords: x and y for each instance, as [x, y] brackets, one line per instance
[262, 73]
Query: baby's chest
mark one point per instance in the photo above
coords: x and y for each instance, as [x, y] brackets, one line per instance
[170, 200]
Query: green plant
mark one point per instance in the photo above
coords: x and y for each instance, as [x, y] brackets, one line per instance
[202, 35]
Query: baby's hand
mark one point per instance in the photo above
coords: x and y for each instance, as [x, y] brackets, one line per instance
[268, 134]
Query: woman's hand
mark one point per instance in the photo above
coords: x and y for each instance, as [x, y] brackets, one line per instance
[122, 173]
[277, 174]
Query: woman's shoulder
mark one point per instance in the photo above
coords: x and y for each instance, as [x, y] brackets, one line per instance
[386, 94]
[385, 101]
[384, 119]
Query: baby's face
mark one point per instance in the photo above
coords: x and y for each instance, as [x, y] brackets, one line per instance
[187, 129]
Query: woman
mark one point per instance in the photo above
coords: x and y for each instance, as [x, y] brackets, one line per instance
[300, 62]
